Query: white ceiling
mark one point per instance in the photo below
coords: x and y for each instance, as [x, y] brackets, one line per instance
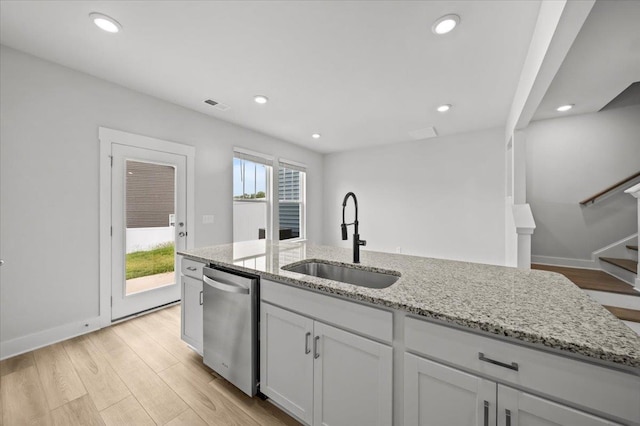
[602, 62]
[361, 73]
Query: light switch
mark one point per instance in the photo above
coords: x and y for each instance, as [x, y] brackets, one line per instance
[207, 219]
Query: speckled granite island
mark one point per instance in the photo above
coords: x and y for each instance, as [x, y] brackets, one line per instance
[536, 309]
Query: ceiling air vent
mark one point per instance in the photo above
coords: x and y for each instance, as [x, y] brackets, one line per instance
[217, 105]
[427, 132]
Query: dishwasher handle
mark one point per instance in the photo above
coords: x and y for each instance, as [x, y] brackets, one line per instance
[229, 288]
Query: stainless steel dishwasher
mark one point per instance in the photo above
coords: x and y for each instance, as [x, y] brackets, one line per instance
[230, 326]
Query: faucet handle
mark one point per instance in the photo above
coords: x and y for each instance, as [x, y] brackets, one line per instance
[362, 242]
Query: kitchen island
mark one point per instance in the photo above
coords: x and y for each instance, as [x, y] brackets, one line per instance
[438, 309]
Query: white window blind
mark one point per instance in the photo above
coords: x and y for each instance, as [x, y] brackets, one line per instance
[253, 156]
[292, 165]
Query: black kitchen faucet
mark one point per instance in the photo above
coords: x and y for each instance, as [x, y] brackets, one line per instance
[357, 242]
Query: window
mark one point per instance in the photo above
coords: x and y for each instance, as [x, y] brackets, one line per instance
[251, 198]
[253, 202]
[291, 200]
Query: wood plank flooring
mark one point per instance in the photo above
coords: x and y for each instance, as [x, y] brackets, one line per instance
[589, 279]
[624, 313]
[134, 373]
[628, 264]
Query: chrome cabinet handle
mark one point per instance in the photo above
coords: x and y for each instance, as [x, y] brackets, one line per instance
[486, 413]
[316, 354]
[192, 268]
[508, 416]
[307, 349]
[201, 297]
[512, 366]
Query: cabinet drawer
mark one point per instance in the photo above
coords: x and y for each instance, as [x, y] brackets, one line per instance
[191, 268]
[598, 389]
[365, 320]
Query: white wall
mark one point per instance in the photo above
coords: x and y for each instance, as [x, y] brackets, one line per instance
[249, 217]
[440, 197]
[570, 159]
[49, 183]
[140, 239]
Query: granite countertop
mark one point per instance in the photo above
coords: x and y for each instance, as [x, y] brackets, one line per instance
[538, 307]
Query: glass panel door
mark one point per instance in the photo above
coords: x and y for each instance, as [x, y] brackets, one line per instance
[148, 226]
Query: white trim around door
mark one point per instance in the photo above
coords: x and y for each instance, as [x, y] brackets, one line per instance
[107, 138]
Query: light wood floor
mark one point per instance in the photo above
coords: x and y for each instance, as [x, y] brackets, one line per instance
[134, 373]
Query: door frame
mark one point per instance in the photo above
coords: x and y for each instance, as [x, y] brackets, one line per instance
[108, 137]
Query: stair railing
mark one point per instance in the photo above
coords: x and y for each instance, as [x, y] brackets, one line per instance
[635, 192]
[605, 192]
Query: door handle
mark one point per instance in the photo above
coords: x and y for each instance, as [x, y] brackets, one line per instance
[182, 234]
[229, 288]
[316, 354]
[507, 414]
[307, 349]
[201, 297]
[486, 413]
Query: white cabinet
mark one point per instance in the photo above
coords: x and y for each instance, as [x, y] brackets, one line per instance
[517, 408]
[192, 312]
[322, 374]
[352, 379]
[286, 360]
[191, 287]
[610, 393]
[436, 394]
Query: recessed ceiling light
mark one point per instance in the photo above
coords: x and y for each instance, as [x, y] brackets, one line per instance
[105, 22]
[444, 108]
[316, 135]
[260, 99]
[564, 108]
[445, 24]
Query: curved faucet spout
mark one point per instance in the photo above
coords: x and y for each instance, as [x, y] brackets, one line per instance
[344, 205]
[357, 242]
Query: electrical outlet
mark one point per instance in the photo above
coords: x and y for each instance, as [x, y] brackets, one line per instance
[207, 219]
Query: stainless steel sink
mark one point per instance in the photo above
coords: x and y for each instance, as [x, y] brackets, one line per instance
[345, 274]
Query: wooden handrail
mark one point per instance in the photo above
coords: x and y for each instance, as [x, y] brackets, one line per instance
[593, 198]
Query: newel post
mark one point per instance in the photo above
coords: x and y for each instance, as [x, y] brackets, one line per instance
[525, 225]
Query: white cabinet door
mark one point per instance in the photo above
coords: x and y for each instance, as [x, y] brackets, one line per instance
[286, 360]
[437, 395]
[352, 381]
[192, 312]
[517, 408]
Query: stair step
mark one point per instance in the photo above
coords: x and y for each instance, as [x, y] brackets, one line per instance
[591, 279]
[624, 313]
[633, 248]
[628, 264]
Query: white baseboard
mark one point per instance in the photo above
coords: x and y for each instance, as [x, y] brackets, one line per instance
[565, 261]
[43, 338]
